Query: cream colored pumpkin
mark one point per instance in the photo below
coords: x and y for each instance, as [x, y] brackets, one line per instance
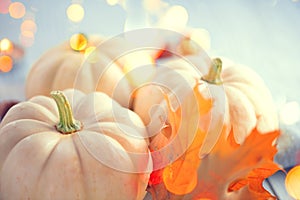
[46, 154]
[241, 100]
[102, 66]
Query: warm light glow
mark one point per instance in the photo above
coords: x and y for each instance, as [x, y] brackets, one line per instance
[91, 55]
[6, 63]
[112, 2]
[201, 37]
[17, 10]
[135, 60]
[78, 42]
[28, 25]
[175, 18]
[153, 6]
[4, 5]
[6, 45]
[27, 38]
[290, 113]
[28, 34]
[292, 182]
[75, 12]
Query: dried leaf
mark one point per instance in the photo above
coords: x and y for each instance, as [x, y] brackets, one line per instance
[186, 141]
[230, 171]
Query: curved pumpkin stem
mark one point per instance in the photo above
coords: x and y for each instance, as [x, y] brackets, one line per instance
[214, 74]
[67, 124]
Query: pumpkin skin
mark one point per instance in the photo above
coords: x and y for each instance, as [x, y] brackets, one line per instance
[241, 100]
[248, 101]
[171, 90]
[104, 70]
[241, 92]
[39, 162]
[5, 106]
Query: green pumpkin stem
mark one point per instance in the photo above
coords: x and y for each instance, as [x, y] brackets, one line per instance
[214, 74]
[67, 124]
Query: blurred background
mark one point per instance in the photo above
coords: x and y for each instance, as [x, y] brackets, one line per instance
[263, 35]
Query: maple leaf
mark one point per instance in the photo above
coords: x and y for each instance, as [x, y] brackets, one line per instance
[179, 133]
[229, 171]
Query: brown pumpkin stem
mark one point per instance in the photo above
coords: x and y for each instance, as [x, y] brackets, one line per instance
[214, 74]
[67, 124]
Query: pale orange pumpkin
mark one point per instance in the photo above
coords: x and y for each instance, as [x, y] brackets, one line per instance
[5, 106]
[87, 64]
[239, 110]
[241, 99]
[45, 153]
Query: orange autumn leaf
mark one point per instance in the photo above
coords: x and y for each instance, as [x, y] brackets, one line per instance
[178, 134]
[228, 172]
[231, 172]
[181, 176]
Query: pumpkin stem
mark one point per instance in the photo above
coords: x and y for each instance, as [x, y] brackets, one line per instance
[67, 124]
[214, 74]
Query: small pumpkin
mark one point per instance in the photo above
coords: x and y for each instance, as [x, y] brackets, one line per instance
[5, 106]
[46, 153]
[87, 64]
[247, 96]
[241, 100]
[249, 101]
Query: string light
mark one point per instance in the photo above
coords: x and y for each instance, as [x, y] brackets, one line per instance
[27, 38]
[4, 4]
[138, 67]
[290, 113]
[78, 42]
[6, 46]
[75, 12]
[202, 38]
[91, 54]
[6, 63]
[292, 182]
[28, 25]
[154, 6]
[17, 10]
[175, 18]
[112, 2]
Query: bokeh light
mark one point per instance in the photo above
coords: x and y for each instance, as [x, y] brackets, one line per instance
[154, 6]
[133, 61]
[202, 38]
[28, 25]
[78, 42]
[17, 10]
[75, 12]
[292, 182]
[175, 18]
[112, 2]
[6, 63]
[27, 38]
[4, 5]
[290, 113]
[91, 54]
[6, 46]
